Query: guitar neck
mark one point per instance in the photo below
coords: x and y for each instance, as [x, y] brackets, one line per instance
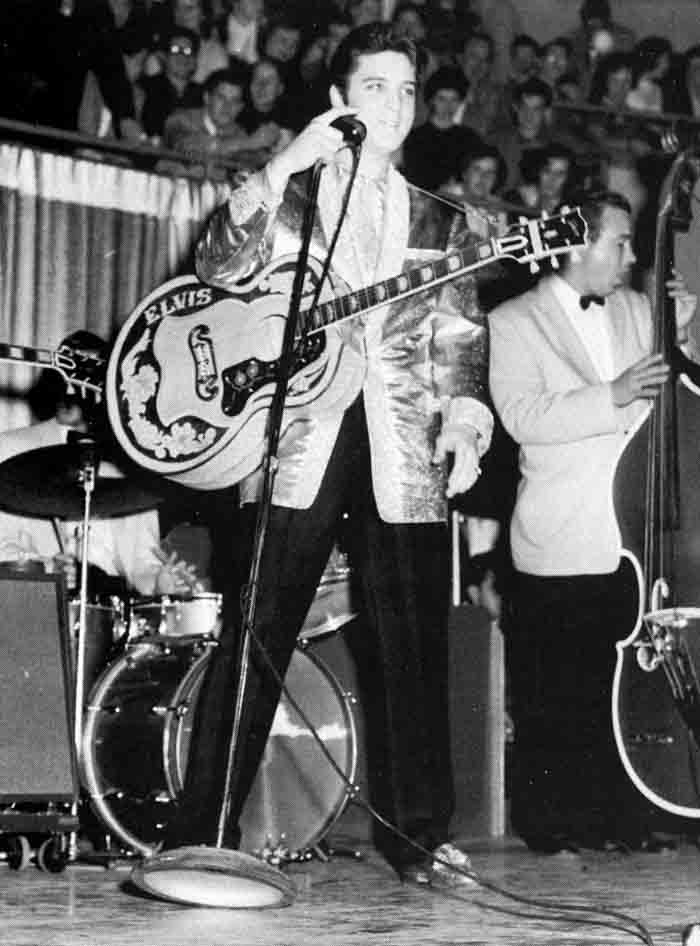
[422, 277]
[26, 355]
[78, 371]
[526, 242]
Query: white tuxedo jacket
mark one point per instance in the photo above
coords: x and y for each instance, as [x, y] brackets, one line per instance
[555, 405]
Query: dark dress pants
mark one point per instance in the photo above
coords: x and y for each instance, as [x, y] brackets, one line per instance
[567, 777]
[402, 572]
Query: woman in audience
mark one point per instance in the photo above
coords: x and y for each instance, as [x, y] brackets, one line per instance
[482, 175]
[434, 151]
[266, 105]
[546, 178]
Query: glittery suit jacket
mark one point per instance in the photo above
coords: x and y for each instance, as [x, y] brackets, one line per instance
[419, 362]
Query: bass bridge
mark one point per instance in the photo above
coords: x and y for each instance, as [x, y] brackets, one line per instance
[244, 379]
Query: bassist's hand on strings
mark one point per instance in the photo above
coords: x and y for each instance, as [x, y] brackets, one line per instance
[642, 380]
[686, 304]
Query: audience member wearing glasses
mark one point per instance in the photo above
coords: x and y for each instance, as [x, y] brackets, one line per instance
[174, 87]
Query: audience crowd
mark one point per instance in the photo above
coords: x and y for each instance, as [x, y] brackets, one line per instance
[231, 81]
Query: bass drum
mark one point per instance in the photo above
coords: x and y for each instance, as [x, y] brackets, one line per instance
[136, 742]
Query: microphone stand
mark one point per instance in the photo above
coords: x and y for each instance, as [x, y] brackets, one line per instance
[172, 874]
[269, 468]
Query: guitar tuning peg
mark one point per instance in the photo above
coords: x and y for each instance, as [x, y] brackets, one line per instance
[70, 389]
[554, 262]
[544, 215]
[534, 267]
[523, 219]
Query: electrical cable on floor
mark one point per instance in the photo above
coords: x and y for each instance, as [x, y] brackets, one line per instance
[566, 912]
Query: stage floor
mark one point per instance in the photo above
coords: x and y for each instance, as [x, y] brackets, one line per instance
[346, 901]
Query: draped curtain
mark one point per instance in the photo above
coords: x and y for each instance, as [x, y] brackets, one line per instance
[82, 243]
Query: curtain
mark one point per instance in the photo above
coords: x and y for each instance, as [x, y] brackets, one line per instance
[83, 243]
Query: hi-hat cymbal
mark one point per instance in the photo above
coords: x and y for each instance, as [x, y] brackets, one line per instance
[48, 483]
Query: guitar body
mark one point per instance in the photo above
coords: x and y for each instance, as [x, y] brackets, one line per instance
[655, 740]
[193, 369]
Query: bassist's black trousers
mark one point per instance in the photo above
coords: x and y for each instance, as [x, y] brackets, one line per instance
[566, 776]
[403, 575]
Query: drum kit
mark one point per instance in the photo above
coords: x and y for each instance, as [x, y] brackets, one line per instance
[138, 667]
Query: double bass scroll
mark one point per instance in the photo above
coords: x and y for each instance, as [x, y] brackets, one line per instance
[656, 494]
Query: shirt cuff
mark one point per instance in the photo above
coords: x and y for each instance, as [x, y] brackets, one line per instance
[254, 194]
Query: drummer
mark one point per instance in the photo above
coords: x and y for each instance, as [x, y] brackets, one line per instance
[124, 552]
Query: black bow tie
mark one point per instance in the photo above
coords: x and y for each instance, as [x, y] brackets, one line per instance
[591, 297]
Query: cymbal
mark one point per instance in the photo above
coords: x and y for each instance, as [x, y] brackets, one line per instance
[46, 483]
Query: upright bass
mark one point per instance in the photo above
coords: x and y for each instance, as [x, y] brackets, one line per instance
[656, 686]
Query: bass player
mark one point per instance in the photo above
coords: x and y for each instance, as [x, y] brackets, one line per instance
[571, 371]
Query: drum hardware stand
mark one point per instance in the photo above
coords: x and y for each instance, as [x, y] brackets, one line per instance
[166, 875]
[89, 462]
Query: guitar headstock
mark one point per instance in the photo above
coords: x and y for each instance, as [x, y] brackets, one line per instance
[82, 369]
[543, 237]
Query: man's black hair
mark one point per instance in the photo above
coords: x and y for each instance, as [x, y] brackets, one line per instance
[366, 40]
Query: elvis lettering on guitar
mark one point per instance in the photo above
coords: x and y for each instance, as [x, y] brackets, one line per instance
[191, 375]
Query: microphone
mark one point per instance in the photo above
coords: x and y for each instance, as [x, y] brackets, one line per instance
[354, 131]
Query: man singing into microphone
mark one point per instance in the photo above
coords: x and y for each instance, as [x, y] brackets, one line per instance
[413, 396]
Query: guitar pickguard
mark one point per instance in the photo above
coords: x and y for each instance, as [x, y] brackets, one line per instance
[243, 380]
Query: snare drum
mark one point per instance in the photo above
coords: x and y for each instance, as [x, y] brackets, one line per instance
[176, 616]
[136, 741]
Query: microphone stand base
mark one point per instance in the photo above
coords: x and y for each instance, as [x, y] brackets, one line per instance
[213, 877]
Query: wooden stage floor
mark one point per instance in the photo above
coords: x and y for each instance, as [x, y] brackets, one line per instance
[360, 902]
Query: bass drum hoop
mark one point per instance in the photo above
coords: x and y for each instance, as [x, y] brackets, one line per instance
[174, 753]
[173, 739]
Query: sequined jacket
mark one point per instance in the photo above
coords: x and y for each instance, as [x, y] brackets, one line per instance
[419, 362]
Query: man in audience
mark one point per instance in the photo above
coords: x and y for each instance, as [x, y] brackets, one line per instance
[484, 104]
[532, 101]
[212, 132]
[524, 59]
[174, 87]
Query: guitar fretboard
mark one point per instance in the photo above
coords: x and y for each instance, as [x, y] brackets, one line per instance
[40, 356]
[381, 293]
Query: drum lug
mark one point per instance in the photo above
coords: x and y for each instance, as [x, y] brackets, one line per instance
[162, 798]
[112, 710]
